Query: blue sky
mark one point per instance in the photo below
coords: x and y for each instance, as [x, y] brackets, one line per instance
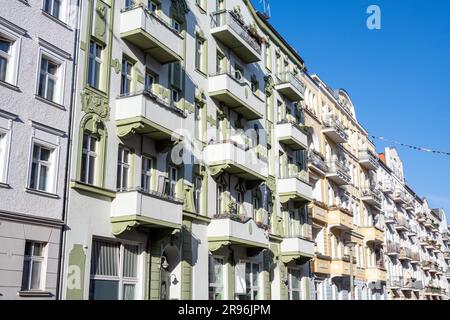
[398, 77]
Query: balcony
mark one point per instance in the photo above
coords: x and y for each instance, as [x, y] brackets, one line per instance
[391, 217]
[402, 224]
[237, 95]
[409, 205]
[388, 187]
[373, 234]
[334, 130]
[340, 218]
[292, 135]
[405, 254]
[377, 273]
[321, 265]
[289, 85]
[230, 229]
[339, 267]
[372, 196]
[393, 249]
[427, 265]
[338, 173]
[229, 29]
[400, 197]
[150, 210]
[235, 159]
[368, 160]
[151, 33]
[318, 212]
[415, 257]
[295, 247]
[147, 114]
[294, 189]
[316, 162]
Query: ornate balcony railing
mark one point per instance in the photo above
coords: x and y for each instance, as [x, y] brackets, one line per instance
[291, 78]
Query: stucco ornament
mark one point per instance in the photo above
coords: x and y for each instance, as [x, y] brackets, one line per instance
[269, 85]
[100, 21]
[179, 9]
[95, 103]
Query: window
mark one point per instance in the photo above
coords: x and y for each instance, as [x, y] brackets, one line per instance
[252, 284]
[150, 81]
[198, 181]
[5, 57]
[2, 156]
[176, 25]
[254, 84]
[219, 200]
[89, 159]
[48, 79]
[146, 175]
[41, 169]
[294, 284]
[220, 63]
[33, 266]
[153, 6]
[126, 77]
[53, 7]
[216, 278]
[114, 271]
[123, 169]
[200, 61]
[129, 3]
[95, 64]
[268, 56]
[173, 180]
[175, 97]
[201, 4]
[238, 72]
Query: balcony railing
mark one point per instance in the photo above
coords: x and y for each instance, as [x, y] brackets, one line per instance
[315, 160]
[393, 248]
[405, 254]
[338, 172]
[290, 85]
[368, 159]
[231, 20]
[372, 195]
[335, 129]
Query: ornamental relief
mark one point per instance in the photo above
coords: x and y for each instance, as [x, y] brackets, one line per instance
[95, 103]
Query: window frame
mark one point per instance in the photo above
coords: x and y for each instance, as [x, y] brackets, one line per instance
[126, 77]
[97, 62]
[137, 282]
[148, 174]
[88, 152]
[173, 182]
[57, 79]
[299, 290]
[50, 164]
[14, 34]
[216, 285]
[30, 259]
[4, 153]
[61, 13]
[122, 166]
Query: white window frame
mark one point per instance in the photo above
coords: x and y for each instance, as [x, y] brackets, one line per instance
[290, 288]
[6, 121]
[122, 166]
[217, 285]
[125, 77]
[62, 10]
[88, 154]
[98, 64]
[13, 33]
[252, 287]
[48, 76]
[147, 173]
[120, 278]
[50, 164]
[198, 190]
[60, 61]
[173, 182]
[32, 258]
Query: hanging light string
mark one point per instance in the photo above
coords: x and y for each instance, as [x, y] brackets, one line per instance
[415, 148]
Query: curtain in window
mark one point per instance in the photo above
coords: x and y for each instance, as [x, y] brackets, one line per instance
[105, 256]
[130, 261]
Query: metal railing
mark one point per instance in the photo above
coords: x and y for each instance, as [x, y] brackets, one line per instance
[374, 193]
[332, 122]
[366, 154]
[335, 166]
[393, 248]
[222, 18]
[291, 78]
[317, 160]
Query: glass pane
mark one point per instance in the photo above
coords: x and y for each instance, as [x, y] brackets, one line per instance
[128, 291]
[91, 170]
[28, 248]
[130, 258]
[50, 89]
[43, 178]
[247, 274]
[56, 8]
[295, 295]
[255, 275]
[93, 144]
[33, 177]
[105, 258]
[38, 248]
[48, 5]
[41, 90]
[3, 65]
[125, 178]
[104, 290]
[26, 275]
[83, 167]
[36, 152]
[52, 68]
[45, 154]
[36, 275]
[5, 45]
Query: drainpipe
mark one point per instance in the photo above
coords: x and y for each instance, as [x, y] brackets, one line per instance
[59, 280]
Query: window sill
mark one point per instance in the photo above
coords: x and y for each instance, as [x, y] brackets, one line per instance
[60, 22]
[9, 86]
[35, 294]
[201, 72]
[95, 190]
[50, 102]
[42, 193]
[4, 185]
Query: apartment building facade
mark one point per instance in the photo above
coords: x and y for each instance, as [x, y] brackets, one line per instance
[36, 69]
[415, 239]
